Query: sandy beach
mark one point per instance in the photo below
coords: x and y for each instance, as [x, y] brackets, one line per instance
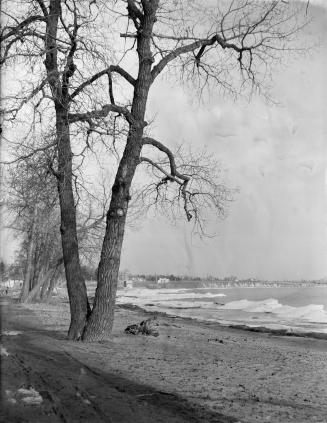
[213, 370]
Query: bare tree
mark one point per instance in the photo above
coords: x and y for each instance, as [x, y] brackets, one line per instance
[32, 210]
[33, 213]
[53, 40]
[230, 46]
[233, 48]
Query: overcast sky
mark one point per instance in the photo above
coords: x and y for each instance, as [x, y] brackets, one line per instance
[276, 155]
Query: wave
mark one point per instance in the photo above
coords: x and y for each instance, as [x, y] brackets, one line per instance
[208, 306]
[313, 313]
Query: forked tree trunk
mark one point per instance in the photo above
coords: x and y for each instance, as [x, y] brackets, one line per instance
[75, 281]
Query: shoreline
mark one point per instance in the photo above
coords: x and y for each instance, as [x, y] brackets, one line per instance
[258, 329]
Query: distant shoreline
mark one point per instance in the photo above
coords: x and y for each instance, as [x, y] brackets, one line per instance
[203, 284]
[266, 285]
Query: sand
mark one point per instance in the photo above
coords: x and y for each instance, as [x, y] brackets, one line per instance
[220, 371]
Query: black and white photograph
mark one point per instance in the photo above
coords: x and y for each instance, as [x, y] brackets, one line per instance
[163, 211]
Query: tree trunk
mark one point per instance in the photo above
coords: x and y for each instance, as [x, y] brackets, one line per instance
[100, 322]
[52, 285]
[29, 260]
[49, 287]
[42, 278]
[75, 282]
[38, 262]
[44, 287]
[49, 284]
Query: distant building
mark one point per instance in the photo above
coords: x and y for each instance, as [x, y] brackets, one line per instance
[162, 281]
[137, 279]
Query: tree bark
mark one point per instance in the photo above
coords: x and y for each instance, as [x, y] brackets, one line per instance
[75, 282]
[100, 322]
[29, 260]
[59, 87]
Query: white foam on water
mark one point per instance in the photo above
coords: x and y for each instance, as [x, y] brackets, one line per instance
[253, 306]
[314, 313]
[144, 295]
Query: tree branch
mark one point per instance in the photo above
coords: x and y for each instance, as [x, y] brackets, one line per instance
[174, 175]
[172, 55]
[70, 67]
[21, 25]
[111, 92]
[112, 68]
[201, 44]
[169, 177]
[43, 7]
[134, 13]
[98, 114]
[33, 93]
[170, 155]
[27, 156]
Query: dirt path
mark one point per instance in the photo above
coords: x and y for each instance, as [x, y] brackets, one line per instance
[67, 390]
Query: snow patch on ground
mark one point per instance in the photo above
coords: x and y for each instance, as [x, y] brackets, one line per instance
[4, 352]
[10, 396]
[29, 396]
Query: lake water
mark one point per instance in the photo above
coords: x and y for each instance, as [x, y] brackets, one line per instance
[302, 309]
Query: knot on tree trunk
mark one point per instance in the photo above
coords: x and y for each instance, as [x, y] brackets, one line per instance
[117, 212]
